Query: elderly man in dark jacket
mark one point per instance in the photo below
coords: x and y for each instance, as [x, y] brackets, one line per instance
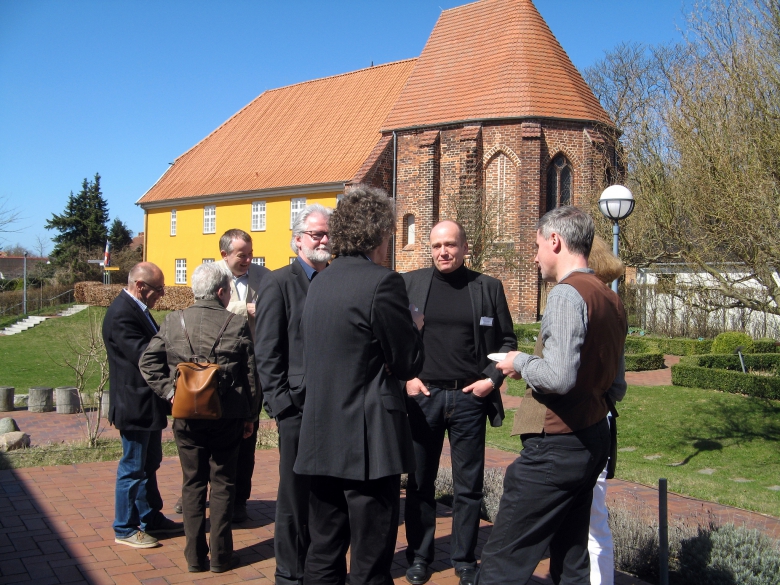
[359, 342]
[208, 449]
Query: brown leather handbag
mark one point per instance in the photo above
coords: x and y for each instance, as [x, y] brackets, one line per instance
[196, 385]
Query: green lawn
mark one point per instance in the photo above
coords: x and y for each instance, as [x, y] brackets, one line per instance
[34, 357]
[678, 432]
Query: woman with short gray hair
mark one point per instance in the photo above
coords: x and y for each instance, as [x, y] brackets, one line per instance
[208, 449]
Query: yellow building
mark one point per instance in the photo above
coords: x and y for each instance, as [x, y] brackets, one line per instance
[288, 148]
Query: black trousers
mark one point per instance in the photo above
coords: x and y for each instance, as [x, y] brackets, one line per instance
[548, 492]
[463, 417]
[291, 528]
[208, 451]
[362, 515]
[246, 466]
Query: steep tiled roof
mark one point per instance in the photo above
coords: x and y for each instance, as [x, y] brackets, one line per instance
[493, 59]
[319, 131]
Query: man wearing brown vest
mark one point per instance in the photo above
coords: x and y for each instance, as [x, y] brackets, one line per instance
[562, 419]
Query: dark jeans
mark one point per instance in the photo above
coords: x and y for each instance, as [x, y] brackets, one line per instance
[347, 513]
[547, 496]
[137, 500]
[463, 416]
[246, 466]
[208, 450]
[291, 532]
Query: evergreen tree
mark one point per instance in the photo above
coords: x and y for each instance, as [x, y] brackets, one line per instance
[82, 226]
[119, 235]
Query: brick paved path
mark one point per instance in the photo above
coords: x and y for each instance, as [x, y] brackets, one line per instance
[55, 522]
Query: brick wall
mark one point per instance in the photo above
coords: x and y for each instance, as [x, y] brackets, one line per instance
[508, 160]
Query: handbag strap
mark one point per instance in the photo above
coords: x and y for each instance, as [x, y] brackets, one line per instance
[216, 341]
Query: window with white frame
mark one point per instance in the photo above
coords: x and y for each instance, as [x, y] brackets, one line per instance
[259, 260]
[208, 260]
[181, 271]
[293, 259]
[173, 222]
[210, 219]
[258, 216]
[297, 205]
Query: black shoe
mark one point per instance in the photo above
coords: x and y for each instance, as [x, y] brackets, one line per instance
[467, 575]
[177, 507]
[202, 566]
[418, 573]
[165, 526]
[231, 564]
[239, 512]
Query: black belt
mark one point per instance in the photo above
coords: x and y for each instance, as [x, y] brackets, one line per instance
[450, 384]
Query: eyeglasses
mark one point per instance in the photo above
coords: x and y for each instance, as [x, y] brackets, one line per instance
[158, 289]
[317, 236]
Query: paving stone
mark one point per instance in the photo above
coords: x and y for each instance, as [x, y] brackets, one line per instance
[706, 471]
[741, 480]
[626, 449]
[653, 457]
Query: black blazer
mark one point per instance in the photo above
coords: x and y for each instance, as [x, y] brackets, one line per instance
[133, 406]
[355, 322]
[278, 342]
[487, 300]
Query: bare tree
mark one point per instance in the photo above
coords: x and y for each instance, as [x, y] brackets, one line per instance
[488, 246]
[87, 359]
[8, 217]
[702, 154]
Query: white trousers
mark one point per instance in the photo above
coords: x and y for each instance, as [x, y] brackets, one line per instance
[600, 547]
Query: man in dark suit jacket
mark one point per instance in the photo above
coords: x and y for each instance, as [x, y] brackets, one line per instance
[467, 318]
[138, 413]
[235, 247]
[279, 358]
[359, 342]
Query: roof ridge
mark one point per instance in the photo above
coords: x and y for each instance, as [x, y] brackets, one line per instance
[340, 74]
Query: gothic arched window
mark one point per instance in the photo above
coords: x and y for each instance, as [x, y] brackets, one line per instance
[559, 183]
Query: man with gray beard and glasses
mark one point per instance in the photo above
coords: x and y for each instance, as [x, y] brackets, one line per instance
[279, 356]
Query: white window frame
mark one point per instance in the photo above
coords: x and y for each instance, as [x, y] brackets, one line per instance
[293, 259]
[210, 219]
[297, 204]
[208, 260]
[259, 260]
[258, 216]
[181, 271]
[173, 222]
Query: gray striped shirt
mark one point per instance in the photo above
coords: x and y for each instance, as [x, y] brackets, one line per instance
[564, 325]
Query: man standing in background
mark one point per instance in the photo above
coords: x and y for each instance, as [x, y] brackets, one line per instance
[235, 246]
[279, 358]
[134, 409]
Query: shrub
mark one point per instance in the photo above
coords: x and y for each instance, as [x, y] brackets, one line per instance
[729, 341]
[682, 346]
[525, 347]
[492, 492]
[637, 345]
[726, 555]
[527, 332]
[765, 346]
[644, 361]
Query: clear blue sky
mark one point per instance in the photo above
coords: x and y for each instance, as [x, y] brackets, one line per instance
[123, 87]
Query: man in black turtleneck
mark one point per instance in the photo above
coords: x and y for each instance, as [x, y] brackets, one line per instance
[466, 318]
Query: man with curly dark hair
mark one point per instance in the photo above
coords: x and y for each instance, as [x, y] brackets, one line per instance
[360, 342]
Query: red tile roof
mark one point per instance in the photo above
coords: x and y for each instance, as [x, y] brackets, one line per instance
[314, 132]
[493, 59]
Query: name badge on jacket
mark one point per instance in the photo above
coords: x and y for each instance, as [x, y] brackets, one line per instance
[486, 321]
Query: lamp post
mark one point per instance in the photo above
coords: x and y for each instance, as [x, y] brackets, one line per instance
[616, 203]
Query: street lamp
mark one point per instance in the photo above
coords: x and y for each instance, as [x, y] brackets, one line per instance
[616, 203]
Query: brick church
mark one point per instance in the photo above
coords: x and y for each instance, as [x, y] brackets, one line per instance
[493, 105]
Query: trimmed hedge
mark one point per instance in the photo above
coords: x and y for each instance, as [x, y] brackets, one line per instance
[724, 372]
[527, 332]
[638, 345]
[640, 362]
[681, 346]
[765, 346]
